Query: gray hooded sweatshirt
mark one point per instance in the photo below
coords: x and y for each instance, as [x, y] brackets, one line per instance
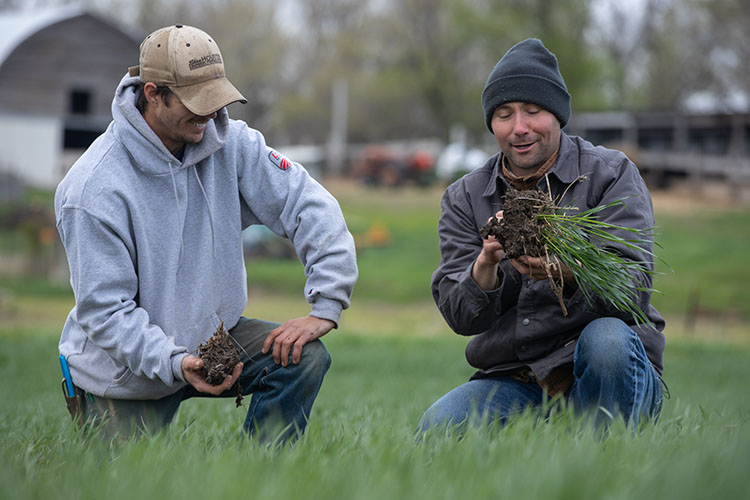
[154, 246]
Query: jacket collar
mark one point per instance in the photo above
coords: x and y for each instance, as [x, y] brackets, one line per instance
[565, 169]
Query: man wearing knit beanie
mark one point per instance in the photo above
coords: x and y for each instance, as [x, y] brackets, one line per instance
[528, 72]
[525, 351]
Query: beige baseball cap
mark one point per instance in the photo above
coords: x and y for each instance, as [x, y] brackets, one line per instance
[188, 61]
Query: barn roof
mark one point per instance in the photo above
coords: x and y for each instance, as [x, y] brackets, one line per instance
[17, 26]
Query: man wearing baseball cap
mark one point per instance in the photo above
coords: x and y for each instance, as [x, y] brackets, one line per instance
[524, 350]
[151, 217]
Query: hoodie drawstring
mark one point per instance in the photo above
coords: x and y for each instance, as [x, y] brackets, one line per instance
[210, 211]
[213, 238]
[177, 214]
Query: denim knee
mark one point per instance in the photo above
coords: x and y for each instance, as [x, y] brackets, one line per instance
[605, 345]
[446, 411]
[613, 373]
[434, 416]
[315, 358]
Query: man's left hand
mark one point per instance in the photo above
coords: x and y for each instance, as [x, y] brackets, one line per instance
[293, 335]
[536, 269]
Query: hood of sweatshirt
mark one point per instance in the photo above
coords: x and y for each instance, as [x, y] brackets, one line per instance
[149, 153]
[142, 143]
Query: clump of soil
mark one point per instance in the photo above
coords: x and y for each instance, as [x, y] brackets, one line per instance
[520, 230]
[220, 355]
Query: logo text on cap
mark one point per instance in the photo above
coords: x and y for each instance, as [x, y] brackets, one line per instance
[204, 61]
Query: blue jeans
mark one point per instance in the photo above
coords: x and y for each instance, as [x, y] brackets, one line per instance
[612, 378]
[281, 402]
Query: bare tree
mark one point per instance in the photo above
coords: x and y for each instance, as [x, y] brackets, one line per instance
[255, 50]
[673, 49]
[726, 32]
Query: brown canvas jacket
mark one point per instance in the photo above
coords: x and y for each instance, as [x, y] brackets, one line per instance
[520, 324]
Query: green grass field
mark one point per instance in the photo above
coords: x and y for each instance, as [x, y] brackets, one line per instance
[360, 442]
[392, 357]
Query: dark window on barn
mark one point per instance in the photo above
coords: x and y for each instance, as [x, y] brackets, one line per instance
[604, 136]
[656, 138]
[79, 138]
[710, 140]
[80, 102]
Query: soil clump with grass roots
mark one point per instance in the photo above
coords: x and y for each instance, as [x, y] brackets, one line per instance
[520, 229]
[533, 225]
[220, 355]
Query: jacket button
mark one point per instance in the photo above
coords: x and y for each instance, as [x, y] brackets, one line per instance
[525, 322]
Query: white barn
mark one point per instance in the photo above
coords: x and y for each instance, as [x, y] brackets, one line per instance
[58, 72]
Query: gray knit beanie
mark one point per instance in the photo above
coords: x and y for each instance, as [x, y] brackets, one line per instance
[528, 72]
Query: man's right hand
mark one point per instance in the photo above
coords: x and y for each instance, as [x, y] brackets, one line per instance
[191, 367]
[485, 267]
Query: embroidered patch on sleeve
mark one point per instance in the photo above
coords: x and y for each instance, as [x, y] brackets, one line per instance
[279, 160]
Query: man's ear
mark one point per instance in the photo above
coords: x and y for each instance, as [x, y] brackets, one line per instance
[149, 91]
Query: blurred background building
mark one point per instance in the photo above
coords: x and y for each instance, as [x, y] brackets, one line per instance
[58, 71]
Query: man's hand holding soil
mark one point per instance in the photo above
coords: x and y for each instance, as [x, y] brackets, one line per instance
[485, 267]
[191, 370]
[293, 335]
[485, 271]
[536, 269]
